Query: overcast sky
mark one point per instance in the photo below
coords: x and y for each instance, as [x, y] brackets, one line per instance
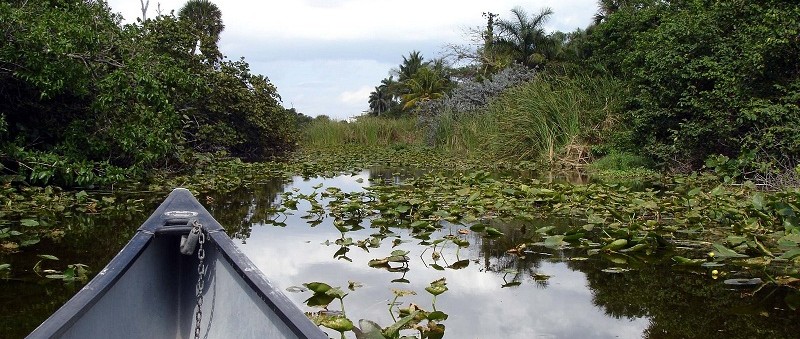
[326, 56]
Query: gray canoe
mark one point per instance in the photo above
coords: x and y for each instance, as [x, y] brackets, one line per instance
[148, 289]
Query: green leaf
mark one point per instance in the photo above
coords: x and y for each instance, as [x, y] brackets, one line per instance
[399, 252]
[392, 331]
[437, 316]
[616, 244]
[339, 323]
[493, 232]
[477, 227]
[789, 255]
[29, 222]
[758, 201]
[369, 330]
[47, 256]
[336, 292]
[29, 242]
[317, 287]
[724, 252]
[554, 241]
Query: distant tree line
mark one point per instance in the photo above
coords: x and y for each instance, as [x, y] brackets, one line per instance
[703, 78]
[87, 100]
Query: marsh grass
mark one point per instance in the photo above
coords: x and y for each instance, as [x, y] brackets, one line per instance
[550, 117]
[366, 130]
[466, 134]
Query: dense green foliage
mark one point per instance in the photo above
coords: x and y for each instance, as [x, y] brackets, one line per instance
[85, 99]
[709, 77]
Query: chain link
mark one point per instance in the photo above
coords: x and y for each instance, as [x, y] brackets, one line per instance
[201, 272]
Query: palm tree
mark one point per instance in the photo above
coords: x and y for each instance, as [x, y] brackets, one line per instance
[410, 66]
[426, 84]
[524, 38]
[206, 20]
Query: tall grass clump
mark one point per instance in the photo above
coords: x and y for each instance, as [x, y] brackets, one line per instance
[458, 122]
[554, 118]
[364, 130]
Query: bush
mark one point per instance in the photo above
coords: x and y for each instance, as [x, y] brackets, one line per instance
[710, 77]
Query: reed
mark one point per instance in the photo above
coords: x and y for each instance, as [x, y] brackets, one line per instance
[364, 130]
[550, 117]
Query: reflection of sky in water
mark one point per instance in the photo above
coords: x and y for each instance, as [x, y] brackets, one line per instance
[477, 305]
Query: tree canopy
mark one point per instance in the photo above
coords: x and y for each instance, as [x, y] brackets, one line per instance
[85, 99]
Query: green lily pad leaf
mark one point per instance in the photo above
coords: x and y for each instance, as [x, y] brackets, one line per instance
[418, 223]
[29, 222]
[789, 255]
[478, 227]
[368, 330]
[683, 261]
[437, 267]
[545, 230]
[616, 245]
[511, 284]
[336, 292]
[724, 252]
[47, 256]
[338, 323]
[437, 287]
[555, 241]
[319, 299]
[493, 232]
[795, 238]
[694, 192]
[616, 270]
[402, 209]
[4, 267]
[399, 252]
[392, 331]
[437, 316]
[29, 242]
[595, 219]
[317, 287]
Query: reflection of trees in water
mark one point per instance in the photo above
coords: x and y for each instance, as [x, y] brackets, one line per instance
[689, 305]
[237, 211]
[517, 266]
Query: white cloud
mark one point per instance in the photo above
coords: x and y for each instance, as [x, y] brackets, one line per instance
[316, 50]
[355, 97]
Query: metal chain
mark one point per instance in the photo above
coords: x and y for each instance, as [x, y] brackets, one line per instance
[201, 272]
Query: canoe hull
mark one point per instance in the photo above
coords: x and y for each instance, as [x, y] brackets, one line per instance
[148, 290]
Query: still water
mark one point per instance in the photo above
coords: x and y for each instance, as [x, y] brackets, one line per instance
[535, 293]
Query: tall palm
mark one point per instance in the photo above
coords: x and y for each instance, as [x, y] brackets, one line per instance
[379, 100]
[524, 37]
[206, 20]
[410, 66]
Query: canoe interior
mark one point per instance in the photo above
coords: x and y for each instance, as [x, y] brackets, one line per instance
[148, 291]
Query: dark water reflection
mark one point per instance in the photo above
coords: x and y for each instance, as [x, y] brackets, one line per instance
[492, 293]
[579, 300]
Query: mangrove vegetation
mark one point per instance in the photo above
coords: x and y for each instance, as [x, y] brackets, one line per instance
[663, 139]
